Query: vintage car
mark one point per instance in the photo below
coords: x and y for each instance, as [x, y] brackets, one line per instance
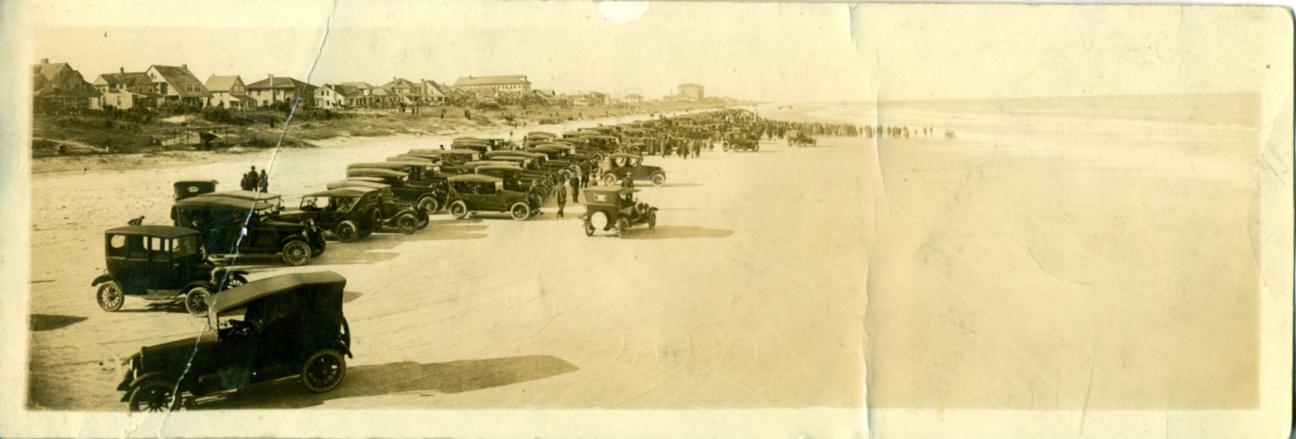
[192, 188]
[220, 217]
[476, 193]
[739, 140]
[159, 262]
[290, 325]
[614, 167]
[353, 212]
[430, 196]
[609, 208]
[450, 160]
[536, 161]
[799, 138]
[515, 178]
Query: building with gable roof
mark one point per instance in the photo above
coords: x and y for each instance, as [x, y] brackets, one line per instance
[59, 86]
[228, 91]
[281, 89]
[178, 84]
[494, 85]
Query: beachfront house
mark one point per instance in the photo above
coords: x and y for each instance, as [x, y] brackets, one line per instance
[123, 91]
[228, 91]
[433, 92]
[57, 86]
[281, 89]
[633, 99]
[337, 96]
[689, 92]
[177, 84]
[494, 85]
[404, 92]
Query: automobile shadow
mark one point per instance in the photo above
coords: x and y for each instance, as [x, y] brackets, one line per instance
[400, 377]
[175, 306]
[50, 322]
[677, 232]
[373, 248]
[668, 184]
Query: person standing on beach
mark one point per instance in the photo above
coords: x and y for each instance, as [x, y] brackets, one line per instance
[578, 178]
[264, 181]
[560, 195]
[249, 180]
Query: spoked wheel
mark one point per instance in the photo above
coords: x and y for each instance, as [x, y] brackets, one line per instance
[347, 231]
[609, 179]
[197, 300]
[652, 220]
[589, 228]
[407, 224]
[323, 370]
[520, 211]
[110, 296]
[233, 281]
[429, 205]
[459, 209]
[296, 252]
[154, 395]
[658, 179]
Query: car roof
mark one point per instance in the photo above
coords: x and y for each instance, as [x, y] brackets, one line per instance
[344, 191]
[541, 133]
[156, 230]
[475, 178]
[187, 182]
[493, 163]
[390, 164]
[356, 183]
[370, 172]
[610, 190]
[241, 296]
[513, 153]
[624, 155]
[224, 201]
[245, 195]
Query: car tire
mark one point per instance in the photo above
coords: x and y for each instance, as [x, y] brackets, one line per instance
[347, 231]
[652, 220]
[609, 179]
[520, 211]
[407, 223]
[198, 299]
[323, 370]
[110, 296]
[296, 253]
[755, 147]
[154, 395]
[459, 209]
[429, 205]
[589, 228]
[234, 281]
[658, 179]
[623, 228]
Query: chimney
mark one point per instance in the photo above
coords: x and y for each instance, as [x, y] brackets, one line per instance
[121, 70]
[44, 60]
[185, 66]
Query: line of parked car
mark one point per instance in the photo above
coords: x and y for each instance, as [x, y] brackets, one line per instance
[292, 324]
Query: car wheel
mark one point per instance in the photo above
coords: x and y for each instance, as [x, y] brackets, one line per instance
[345, 335]
[589, 228]
[233, 281]
[652, 220]
[609, 179]
[347, 231]
[658, 179]
[197, 300]
[459, 209]
[599, 220]
[154, 395]
[323, 370]
[623, 228]
[110, 296]
[429, 205]
[755, 147]
[725, 147]
[407, 224]
[296, 252]
[520, 211]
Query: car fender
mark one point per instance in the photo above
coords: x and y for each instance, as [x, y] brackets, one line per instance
[221, 272]
[199, 283]
[140, 380]
[102, 278]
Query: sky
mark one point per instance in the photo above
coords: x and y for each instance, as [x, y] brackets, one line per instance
[764, 51]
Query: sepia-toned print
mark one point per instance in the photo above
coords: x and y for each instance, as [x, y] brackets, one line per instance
[872, 213]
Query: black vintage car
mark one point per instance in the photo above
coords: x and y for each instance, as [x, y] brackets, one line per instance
[614, 208]
[615, 167]
[426, 195]
[291, 325]
[475, 193]
[739, 140]
[515, 178]
[351, 213]
[159, 262]
[220, 217]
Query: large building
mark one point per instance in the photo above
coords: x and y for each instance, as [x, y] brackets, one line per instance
[59, 86]
[690, 92]
[494, 85]
[281, 89]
